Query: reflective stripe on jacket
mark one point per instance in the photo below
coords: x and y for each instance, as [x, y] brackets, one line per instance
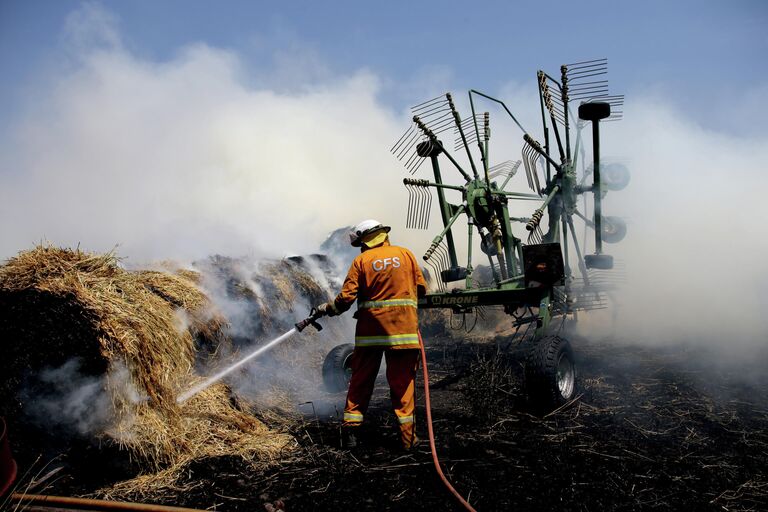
[386, 281]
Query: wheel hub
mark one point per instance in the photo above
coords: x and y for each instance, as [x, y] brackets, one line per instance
[566, 377]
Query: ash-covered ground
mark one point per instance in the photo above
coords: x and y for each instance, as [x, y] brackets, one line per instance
[673, 428]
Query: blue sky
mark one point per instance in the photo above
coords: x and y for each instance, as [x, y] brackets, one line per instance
[702, 55]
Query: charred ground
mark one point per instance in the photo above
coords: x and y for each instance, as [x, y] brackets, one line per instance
[652, 428]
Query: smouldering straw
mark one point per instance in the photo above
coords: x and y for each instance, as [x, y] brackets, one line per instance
[212, 380]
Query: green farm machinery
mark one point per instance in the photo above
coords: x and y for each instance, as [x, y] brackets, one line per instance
[548, 275]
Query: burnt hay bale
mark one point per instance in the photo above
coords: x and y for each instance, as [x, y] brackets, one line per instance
[267, 297]
[134, 332]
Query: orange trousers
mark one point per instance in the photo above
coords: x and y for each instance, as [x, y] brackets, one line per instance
[401, 374]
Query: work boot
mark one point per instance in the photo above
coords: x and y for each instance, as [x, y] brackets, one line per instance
[409, 442]
[408, 438]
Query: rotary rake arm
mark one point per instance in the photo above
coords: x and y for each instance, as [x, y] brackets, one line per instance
[532, 281]
[524, 274]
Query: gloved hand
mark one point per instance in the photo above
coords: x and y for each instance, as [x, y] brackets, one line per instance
[327, 309]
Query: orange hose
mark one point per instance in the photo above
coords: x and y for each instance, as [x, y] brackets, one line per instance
[88, 504]
[432, 433]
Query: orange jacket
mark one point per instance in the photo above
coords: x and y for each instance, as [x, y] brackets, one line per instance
[386, 281]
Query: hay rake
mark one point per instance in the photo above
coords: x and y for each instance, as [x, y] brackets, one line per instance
[533, 280]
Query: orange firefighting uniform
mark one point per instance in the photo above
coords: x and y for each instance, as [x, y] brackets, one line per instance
[386, 281]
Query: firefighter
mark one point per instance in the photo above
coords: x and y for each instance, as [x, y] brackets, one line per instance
[386, 282]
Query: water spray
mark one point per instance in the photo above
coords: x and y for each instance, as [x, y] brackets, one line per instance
[314, 314]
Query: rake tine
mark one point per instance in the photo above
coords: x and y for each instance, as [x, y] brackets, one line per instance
[587, 69]
[408, 214]
[407, 147]
[416, 208]
[422, 201]
[581, 77]
[412, 167]
[532, 168]
[409, 217]
[527, 165]
[589, 96]
[417, 166]
[420, 209]
[414, 163]
[533, 178]
[402, 139]
[589, 89]
[434, 110]
[603, 59]
[434, 115]
[533, 237]
[423, 104]
[422, 205]
[593, 82]
[441, 126]
[429, 207]
[414, 154]
[443, 257]
[412, 158]
[438, 123]
[602, 64]
[434, 273]
[404, 144]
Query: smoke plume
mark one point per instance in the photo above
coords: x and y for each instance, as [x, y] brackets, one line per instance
[695, 247]
[183, 158]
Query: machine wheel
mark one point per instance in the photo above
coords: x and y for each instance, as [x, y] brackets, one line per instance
[614, 176]
[550, 373]
[614, 229]
[337, 368]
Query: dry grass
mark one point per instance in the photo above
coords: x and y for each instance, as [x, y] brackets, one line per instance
[59, 303]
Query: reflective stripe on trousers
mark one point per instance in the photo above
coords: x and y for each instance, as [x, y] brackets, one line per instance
[351, 417]
[385, 340]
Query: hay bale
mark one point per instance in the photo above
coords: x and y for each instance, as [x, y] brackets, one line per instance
[266, 297]
[136, 330]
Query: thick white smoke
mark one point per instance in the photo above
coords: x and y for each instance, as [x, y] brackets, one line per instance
[696, 212]
[183, 158]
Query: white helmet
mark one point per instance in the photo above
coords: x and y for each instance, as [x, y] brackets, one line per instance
[366, 227]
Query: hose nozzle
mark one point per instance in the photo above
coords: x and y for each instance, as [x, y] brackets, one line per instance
[314, 314]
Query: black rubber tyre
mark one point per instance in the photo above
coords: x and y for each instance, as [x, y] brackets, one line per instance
[550, 373]
[614, 176]
[337, 368]
[614, 229]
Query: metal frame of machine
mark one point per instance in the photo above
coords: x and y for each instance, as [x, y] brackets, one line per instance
[536, 274]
